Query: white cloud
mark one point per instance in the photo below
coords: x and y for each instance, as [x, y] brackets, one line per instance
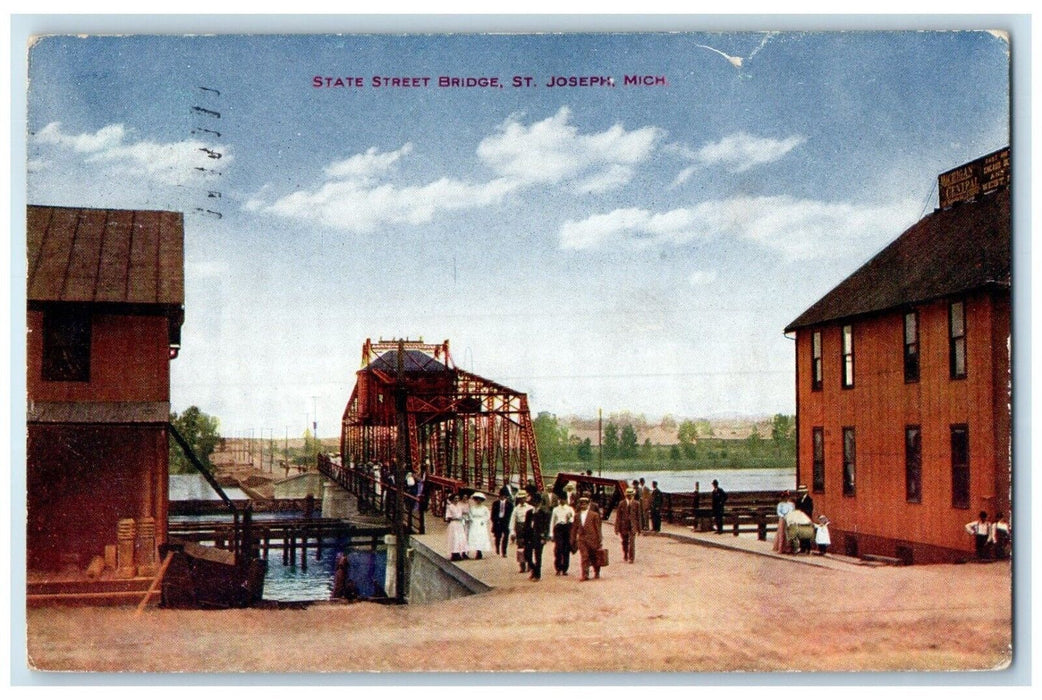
[120, 158]
[104, 137]
[797, 229]
[553, 151]
[352, 206]
[368, 165]
[358, 195]
[737, 152]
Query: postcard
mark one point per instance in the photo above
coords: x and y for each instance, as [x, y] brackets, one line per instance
[339, 343]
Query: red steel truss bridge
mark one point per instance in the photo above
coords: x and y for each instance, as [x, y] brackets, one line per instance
[413, 410]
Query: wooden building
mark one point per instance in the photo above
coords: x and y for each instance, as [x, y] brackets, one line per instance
[105, 304]
[903, 386]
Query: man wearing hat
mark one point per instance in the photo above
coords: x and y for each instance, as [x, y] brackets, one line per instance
[586, 537]
[502, 509]
[805, 504]
[517, 527]
[535, 533]
[627, 524]
[719, 499]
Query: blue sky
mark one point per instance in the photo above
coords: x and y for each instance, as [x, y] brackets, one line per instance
[625, 248]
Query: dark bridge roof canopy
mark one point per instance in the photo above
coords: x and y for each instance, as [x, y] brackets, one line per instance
[412, 361]
[948, 252]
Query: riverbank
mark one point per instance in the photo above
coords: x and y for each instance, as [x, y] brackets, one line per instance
[681, 607]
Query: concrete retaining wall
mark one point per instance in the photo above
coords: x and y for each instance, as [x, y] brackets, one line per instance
[432, 578]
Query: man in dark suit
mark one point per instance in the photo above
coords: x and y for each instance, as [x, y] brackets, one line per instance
[804, 502]
[535, 532]
[586, 538]
[719, 499]
[656, 507]
[627, 524]
[501, 511]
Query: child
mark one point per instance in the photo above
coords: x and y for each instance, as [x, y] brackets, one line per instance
[821, 535]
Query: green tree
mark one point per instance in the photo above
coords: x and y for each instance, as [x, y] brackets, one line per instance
[754, 441]
[687, 434]
[611, 441]
[200, 431]
[584, 450]
[310, 454]
[783, 429]
[551, 438]
[628, 442]
[674, 452]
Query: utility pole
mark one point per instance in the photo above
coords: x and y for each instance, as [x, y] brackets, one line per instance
[314, 416]
[271, 450]
[400, 533]
[600, 447]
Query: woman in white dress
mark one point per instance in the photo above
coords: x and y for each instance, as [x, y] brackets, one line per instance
[479, 533]
[785, 506]
[456, 533]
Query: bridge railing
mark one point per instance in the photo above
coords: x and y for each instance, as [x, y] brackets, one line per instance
[375, 494]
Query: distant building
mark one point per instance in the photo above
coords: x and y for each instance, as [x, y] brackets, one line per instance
[903, 386]
[105, 307]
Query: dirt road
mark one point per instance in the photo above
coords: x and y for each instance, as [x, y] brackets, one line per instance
[681, 607]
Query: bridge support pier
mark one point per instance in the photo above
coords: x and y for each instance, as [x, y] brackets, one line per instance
[334, 500]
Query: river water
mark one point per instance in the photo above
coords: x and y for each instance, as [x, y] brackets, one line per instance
[288, 583]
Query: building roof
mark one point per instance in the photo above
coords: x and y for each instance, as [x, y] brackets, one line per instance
[412, 361]
[105, 256]
[949, 252]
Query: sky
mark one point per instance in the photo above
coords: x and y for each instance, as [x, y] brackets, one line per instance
[598, 246]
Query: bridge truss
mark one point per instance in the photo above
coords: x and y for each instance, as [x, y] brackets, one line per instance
[458, 425]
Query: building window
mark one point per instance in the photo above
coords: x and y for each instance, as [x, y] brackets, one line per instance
[815, 361]
[848, 461]
[818, 477]
[911, 347]
[66, 345]
[957, 339]
[848, 357]
[960, 466]
[913, 464]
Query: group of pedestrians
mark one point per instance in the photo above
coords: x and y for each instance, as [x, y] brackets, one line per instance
[529, 519]
[383, 475]
[468, 526]
[817, 532]
[991, 537]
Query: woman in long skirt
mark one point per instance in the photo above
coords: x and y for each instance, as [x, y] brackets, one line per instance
[479, 530]
[456, 533]
[785, 506]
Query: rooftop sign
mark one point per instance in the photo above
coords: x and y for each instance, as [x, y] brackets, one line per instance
[977, 177]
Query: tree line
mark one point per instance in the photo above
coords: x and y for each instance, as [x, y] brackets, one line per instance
[696, 445]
